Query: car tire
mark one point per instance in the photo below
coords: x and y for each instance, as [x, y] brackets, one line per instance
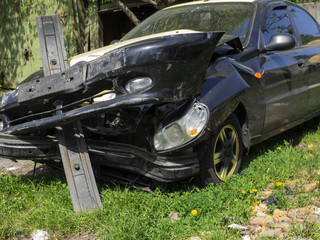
[221, 156]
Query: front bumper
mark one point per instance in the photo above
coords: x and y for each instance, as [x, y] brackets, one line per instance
[177, 66]
[114, 155]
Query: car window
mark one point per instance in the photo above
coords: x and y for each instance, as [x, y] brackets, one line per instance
[307, 27]
[235, 19]
[277, 22]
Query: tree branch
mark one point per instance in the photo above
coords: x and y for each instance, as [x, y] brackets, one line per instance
[127, 11]
[151, 2]
[159, 4]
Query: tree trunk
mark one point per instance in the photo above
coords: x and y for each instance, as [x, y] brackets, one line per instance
[127, 11]
[81, 22]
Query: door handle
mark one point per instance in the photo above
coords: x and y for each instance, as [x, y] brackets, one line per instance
[301, 63]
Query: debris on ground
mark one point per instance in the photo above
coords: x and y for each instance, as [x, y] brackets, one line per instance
[173, 216]
[40, 235]
[237, 226]
[270, 220]
[24, 168]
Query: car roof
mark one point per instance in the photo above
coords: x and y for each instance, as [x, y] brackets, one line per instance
[221, 1]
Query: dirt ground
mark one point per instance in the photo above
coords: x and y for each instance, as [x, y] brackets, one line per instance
[23, 167]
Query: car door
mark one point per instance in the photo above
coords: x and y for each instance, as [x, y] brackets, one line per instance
[309, 34]
[284, 76]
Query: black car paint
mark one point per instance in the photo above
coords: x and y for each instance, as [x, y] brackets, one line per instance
[179, 67]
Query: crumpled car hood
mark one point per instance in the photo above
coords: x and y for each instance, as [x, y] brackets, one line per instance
[176, 63]
[96, 53]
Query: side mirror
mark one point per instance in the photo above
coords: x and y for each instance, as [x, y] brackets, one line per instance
[280, 42]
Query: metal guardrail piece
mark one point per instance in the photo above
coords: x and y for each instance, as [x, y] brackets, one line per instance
[77, 167]
[73, 148]
[53, 51]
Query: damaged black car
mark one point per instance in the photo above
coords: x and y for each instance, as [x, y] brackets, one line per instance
[183, 95]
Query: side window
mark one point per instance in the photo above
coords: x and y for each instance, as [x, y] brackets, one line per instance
[277, 22]
[306, 26]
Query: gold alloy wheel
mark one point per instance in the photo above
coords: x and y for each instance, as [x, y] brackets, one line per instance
[226, 152]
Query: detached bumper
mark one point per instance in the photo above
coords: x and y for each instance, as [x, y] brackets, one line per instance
[110, 154]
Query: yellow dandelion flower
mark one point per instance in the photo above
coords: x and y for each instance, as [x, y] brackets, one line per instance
[194, 212]
[2, 173]
[310, 146]
[243, 191]
[311, 155]
[268, 194]
[186, 194]
[279, 148]
[254, 190]
[278, 184]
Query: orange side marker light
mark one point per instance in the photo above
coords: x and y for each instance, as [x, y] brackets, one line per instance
[193, 132]
[258, 75]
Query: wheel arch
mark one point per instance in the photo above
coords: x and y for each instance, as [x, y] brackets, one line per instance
[241, 113]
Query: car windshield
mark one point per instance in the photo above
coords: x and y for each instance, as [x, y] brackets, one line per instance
[233, 18]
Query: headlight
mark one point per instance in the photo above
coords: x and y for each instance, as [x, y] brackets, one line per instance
[183, 130]
[138, 84]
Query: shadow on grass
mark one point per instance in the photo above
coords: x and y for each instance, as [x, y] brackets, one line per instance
[292, 136]
[105, 177]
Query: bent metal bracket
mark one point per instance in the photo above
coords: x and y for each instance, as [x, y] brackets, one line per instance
[73, 148]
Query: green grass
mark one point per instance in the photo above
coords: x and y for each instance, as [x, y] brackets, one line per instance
[3, 91]
[133, 214]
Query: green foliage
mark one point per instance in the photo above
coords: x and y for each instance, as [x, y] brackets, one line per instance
[27, 6]
[307, 229]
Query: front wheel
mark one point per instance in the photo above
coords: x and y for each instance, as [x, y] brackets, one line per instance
[223, 154]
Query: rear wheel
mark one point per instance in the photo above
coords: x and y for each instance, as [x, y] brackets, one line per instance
[223, 154]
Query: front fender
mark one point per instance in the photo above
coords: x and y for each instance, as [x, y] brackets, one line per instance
[223, 90]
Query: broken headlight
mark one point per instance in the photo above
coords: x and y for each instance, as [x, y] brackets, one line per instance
[138, 84]
[183, 130]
